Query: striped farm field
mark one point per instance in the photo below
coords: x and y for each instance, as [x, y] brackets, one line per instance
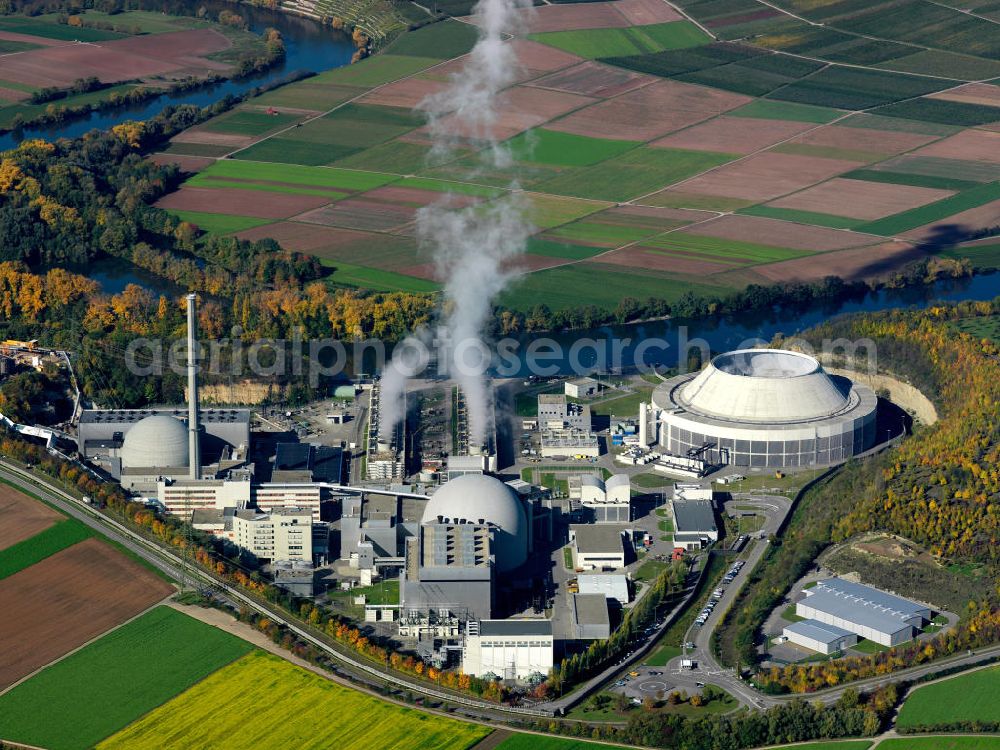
[636, 40]
[721, 249]
[219, 223]
[228, 710]
[106, 685]
[54, 539]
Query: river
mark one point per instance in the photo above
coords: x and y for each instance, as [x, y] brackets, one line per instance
[308, 46]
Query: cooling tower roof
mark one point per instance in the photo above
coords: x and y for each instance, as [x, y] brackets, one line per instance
[764, 385]
[159, 441]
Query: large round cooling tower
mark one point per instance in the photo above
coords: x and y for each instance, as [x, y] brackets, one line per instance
[159, 441]
[480, 499]
[764, 385]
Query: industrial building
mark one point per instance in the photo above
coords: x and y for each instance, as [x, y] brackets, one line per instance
[867, 612]
[608, 501]
[374, 527]
[581, 388]
[818, 636]
[609, 586]
[303, 462]
[764, 408]
[472, 528]
[597, 547]
[508, 649]
[183, 496]
[555, 413]
[694, 517]
[591, 620]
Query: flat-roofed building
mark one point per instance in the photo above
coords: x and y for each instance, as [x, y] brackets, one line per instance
[591, 620]
[611, 586]
[581, 388]
[818, 636]
[281, 534]
[272, 495]
[881, 617]
[304, 462]
[694, 520]
[597, 547]
[182, 497]
[510, 649]
[449, 567]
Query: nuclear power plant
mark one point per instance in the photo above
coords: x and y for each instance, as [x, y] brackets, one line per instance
[765, 408]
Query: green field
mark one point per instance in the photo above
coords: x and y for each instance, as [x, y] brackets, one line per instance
[29, 551]
[635, 173]
[46, 26]
[220, 223]
[337, 179]
[941, 111]
[113, 681]
[565, 149]
[769, 110]
[374, 71]
[440, 41]
[986, 742]
[539, 742]
[8, 47]
[722, 250]
[550, 249]
[228, 709]
[987, 327]
[249, 122]
[854, 88]
[634, 40]
[969, 697]
[362, 277]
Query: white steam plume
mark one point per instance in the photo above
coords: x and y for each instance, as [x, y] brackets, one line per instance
[472, 245]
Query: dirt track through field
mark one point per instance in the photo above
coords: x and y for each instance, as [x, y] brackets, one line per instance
[21, 517]
[66, 600]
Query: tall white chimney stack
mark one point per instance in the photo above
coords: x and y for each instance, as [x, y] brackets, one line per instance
[194, 454]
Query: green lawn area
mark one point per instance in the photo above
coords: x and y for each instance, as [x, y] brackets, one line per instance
[220, 223]
[634, 173]
[565, 149]
[110, 683]
[384, 592]
[865, 646]
[788, 614]
[662, 655]
[568, 557]
[29, 551]
[650, 569]
[621, 42]
[717, 565]
[966, 697]
[651, 481]
[622, 406]
[666, 526]
[986, 742]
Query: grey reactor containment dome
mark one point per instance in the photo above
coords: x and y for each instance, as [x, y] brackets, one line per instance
[765, 408]
[159, 441]
[484, 500]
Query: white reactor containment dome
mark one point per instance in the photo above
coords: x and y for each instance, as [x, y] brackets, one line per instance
[484, 500]
[159, 441]
[767, 408]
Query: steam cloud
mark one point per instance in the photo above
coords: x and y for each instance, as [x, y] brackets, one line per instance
[471, 245]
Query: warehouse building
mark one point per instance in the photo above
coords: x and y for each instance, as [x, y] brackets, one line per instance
[694, 517]
[865, 611]
[581, 388]
[764, 408]
[609, 586]
[818, 636]
[597, 547]
[591, 620]
[509, 649]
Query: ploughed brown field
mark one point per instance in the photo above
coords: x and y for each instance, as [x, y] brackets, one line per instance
[851, 265]
[21, 516]
[236, 202]
[174, 54]
[593, 79]
[860, 199]
[651, 111]
[780, 233]
[66, 600]
[734, 135]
